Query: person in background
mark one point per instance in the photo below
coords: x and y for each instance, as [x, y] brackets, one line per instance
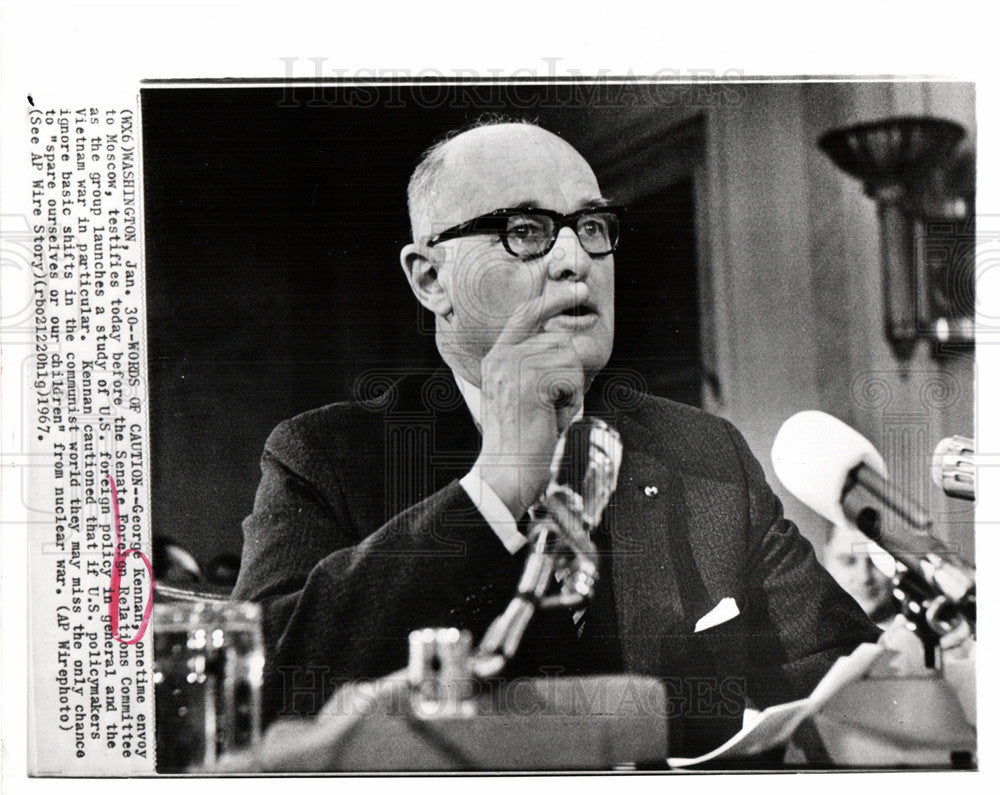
[849, 556]
[857, 563]
[174, 565]
[223, 570]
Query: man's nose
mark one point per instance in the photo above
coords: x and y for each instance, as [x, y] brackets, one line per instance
[567, 259]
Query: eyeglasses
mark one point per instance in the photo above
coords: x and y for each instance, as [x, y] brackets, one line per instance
[529, 232]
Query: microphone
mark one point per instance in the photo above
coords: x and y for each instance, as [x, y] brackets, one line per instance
[839, 474]
[584, 470]
[583, 476]
[953, 467]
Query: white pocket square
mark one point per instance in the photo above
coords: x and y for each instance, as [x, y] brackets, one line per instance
[724, 611]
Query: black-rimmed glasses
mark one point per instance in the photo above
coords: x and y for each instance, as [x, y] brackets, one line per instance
[531, 232]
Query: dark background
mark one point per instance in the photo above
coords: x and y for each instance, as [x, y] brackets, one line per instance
[273, 222]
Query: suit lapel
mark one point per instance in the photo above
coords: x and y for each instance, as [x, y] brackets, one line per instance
[650, 602]
[668, 570]
[664, 531]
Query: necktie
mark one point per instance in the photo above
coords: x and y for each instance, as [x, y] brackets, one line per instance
[578, 615]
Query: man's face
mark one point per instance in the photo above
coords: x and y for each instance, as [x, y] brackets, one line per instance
[509, 166]
[847, 558]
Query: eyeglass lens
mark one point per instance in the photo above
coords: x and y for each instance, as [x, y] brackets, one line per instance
[530, 235]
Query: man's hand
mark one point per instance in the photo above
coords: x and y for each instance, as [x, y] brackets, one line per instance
[959, 640]
[532, 387]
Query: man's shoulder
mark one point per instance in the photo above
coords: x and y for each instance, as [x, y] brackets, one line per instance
[351, 428]
[651, 405]
[345, 417]
[658, 413]
[380, 401]
[690, 437]
[337, 432]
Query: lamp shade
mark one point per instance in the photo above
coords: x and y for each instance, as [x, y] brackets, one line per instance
[887, 152]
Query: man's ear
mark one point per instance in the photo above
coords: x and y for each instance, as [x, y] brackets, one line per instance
[424, 276]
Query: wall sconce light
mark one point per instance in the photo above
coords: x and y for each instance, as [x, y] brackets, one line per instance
[925, 197]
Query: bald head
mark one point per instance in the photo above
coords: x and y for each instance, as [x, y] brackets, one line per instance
[493, 166]
[473, 283]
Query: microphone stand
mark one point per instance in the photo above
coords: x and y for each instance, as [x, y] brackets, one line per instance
[931, 614]
[560, 544]
[933, 611]
[584, 475]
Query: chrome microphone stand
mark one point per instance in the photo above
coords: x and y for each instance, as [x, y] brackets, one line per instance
[583, 478]
[584, 475]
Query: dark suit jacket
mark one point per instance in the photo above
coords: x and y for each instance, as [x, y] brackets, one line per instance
[361, 533]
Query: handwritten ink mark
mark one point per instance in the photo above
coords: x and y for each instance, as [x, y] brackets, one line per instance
[117, 569]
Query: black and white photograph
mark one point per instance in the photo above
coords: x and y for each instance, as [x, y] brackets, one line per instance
[598, 411]
[430, 394]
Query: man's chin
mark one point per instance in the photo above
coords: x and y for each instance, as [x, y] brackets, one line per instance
[593, 355]
[875, 604]
[593, 349]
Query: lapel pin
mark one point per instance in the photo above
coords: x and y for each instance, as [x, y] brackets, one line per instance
[651, 491]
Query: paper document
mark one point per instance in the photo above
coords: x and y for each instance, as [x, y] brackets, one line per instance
[776, 725]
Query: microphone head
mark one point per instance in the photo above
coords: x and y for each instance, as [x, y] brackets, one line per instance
[813, 453]
[953, 467]
[586, 462]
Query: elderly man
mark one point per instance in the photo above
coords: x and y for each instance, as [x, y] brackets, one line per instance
[374, 519]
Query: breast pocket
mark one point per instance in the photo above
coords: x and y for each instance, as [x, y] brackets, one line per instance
[706, 686]
[723, 647]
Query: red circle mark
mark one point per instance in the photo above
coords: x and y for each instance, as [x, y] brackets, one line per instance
[117, 567]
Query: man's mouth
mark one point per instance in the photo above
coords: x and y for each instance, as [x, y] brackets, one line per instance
[579, 318]
[581, 310]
